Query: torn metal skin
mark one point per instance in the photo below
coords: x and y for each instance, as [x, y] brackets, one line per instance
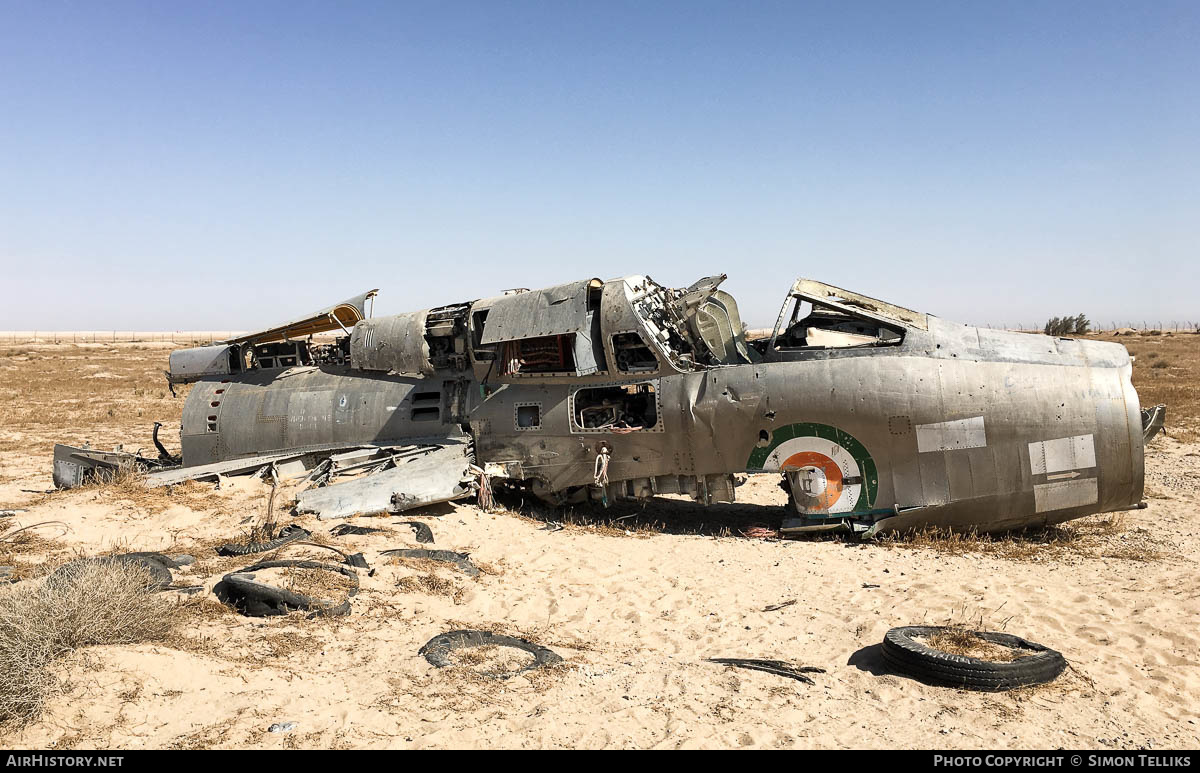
[878, 417]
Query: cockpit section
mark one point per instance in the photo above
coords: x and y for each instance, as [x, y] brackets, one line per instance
[818, 317]
[813, 326]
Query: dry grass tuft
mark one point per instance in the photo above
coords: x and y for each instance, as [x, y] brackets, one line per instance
[1168, 371]
[1107, 536]
[41, 621]
[429, 583]
[490, 661]
[129, 485]
[960, 640]
[29, 551]
[202, 627]
[75, 393]
[664, 514]
[317, 583]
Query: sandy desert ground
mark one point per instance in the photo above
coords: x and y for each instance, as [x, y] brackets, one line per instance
[634, 599]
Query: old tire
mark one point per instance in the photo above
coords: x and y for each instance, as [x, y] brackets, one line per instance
[437, 650]
[286, 535]
[240, 590]
[912, 658]
[155, 564]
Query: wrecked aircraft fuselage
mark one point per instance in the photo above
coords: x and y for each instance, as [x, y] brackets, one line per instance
[878, 417]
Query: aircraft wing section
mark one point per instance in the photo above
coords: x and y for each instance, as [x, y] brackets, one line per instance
[339, 316]
[420, 474]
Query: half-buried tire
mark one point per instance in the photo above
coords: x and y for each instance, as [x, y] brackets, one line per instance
[910, 657]
[240, 590]
[158, 567]
[437, 650]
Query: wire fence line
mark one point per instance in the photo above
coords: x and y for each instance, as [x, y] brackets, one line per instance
[116, 336]
[1162, 326]
[197, 337]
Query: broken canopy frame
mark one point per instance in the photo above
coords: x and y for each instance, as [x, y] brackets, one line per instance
[850, 303]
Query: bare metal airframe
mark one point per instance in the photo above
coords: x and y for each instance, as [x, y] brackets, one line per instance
[878, 417]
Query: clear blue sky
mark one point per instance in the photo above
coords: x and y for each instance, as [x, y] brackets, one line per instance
[171, 165]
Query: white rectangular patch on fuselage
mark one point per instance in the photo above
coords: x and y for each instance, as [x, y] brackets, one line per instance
[950, 435]
[1065, 493]
[1065, 453]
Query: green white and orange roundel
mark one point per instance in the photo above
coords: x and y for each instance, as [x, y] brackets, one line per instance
[828, 469]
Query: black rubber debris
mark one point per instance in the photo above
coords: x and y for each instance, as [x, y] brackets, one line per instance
[356, 560]
[461, 560]
[177, 561]
[910, 657]
[437, 650]
[241, 591]
[777, 667]
[158, 565]
[421, 531]
[346, 529]
[286, 534]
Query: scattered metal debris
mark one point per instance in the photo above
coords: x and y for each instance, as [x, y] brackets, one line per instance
[910, 657]
[421, 474]
[421, 531]
[319, 475]
[256, 599]
[282, 727]
[777, 667]
[357, 560]
[74, 467]
[1153, 420]
[461, 560]
[10, 513]
[286, 534]
[437, 650]
[780, 605]
[241, 466]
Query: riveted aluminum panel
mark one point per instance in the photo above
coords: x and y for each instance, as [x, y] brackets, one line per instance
[394, 344]
[535, 313]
